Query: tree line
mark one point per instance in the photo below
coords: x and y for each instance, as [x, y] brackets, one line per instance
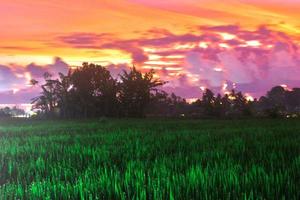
[90, 91]
[11, 112]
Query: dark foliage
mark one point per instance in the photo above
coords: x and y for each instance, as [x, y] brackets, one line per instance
[90, 91]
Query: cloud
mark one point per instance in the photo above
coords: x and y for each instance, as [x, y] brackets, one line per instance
[22, 96]
[15, 80]
[211, 56]
[116, 70]
[224, 28]
[84, 40]
[37, 71]
[58, 66]
[252, 61]
[137, 54]
[8, 79]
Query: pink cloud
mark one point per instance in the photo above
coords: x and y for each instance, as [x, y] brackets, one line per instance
[248, 60]
[15, 80]
[23, 95]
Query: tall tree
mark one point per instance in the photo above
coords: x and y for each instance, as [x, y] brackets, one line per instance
[219, 107]
[208, 103]
[65, 95]
[95, 90]
[276, 96]
[238, 104]
[293, 100]
[135, 90]
[47, 101]
[276, 99]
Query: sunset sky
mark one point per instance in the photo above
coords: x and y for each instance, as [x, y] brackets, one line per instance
[249, 45]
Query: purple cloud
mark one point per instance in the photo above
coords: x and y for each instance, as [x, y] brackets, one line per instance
[15, 80]
[248, 60]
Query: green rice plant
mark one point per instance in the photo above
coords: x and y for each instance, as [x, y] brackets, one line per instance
[150, 159]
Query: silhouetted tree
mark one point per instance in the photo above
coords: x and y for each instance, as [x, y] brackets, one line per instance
[91, 91]
[276, 96]
[208, 103]
[163, 104]
[65, 95]
[293, 101]
[135, 90]
[274, 104]
[47, 101]
[219, 110]
[95, 90]
[5, 112]
[238, 104]
[232, 104]
[159, 104]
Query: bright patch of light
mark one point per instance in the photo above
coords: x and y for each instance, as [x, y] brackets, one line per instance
[151, 67]
[253, 43]
[149, 50]
[223, 45]
[224, 86]
[203, 45]
[194, 79]
[233, 85]
[156, 76]
[192, 75]
[26, 59]
[227, 36]
[202, 88]
[173, 68]
[231, 97]
[70, 87]
[191, 100]
[153, 57]
[15, 90]
[175, 56]
[218, 69]
[249, 97]
[28, 77]
[184, 46]
[20, 75]
[286, 87]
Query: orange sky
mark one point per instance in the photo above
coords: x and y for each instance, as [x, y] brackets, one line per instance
[122, 32]
[29, 27]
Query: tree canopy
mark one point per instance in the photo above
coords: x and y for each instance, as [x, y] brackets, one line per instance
[91, 91]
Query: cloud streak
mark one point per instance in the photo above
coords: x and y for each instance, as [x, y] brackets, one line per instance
[216, 57]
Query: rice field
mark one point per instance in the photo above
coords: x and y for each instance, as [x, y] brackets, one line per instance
[150, 159]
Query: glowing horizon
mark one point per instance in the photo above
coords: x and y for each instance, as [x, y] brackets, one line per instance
[249, 45]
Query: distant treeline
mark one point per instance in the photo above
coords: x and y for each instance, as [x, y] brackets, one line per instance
[90, 91]
[11, 112]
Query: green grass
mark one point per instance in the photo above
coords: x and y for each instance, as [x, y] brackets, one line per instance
[150, 159]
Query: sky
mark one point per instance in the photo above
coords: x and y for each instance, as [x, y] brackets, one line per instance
[248, 45]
